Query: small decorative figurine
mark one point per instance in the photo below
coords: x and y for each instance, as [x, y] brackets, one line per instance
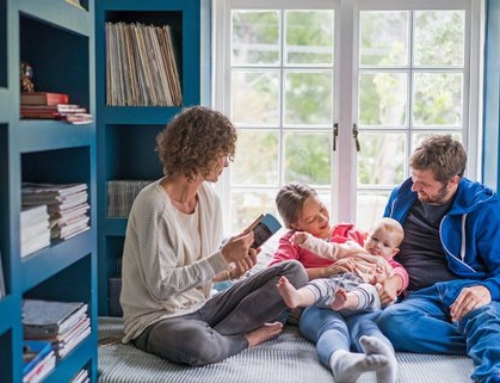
[26, 76]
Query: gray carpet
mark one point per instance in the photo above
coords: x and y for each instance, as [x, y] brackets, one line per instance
[287, 359]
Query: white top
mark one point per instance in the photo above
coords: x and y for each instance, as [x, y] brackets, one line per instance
[162, 273]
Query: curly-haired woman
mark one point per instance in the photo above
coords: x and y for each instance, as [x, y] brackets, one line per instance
[173, 253]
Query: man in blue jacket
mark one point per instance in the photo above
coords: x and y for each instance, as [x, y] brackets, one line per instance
[451, 250]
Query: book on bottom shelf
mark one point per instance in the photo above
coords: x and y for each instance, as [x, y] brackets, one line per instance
[50, 317]
[39, 360]
[64, 342]
[81, 377]
[62, 324]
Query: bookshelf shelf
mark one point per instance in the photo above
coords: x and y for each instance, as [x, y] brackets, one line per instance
[38, 266]
[124, 130]
[44, 135]
[58, 13]
[57, 40]
[137, 114]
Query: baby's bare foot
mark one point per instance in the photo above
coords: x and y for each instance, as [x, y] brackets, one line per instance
[339, 299]
[288, 293]
[265, 332]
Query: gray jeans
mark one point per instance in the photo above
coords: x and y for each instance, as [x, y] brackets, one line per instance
[217, 330]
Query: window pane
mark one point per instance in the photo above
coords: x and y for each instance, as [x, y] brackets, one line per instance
[308, 98]
[439, 38]
[246, 205]
[381, 159]
[308, 157]
[309, 37]
[383, 38]
[417, 138]
[254, 97]
[383, 99]
[255, 37]
[437, 99]
[370, 208]
[256, 160]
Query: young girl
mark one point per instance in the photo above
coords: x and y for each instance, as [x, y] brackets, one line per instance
[302, 210]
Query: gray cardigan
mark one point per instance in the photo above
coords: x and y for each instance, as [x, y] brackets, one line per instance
[161, 278]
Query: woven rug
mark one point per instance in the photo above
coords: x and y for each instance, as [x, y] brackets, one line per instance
[287, 359]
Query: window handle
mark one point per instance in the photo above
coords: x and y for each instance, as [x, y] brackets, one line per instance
[355, 133]
[335, 135]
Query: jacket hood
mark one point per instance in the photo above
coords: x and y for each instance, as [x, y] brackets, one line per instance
[471, 195]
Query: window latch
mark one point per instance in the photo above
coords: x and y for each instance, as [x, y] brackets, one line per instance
[335, 135]
[355, 134]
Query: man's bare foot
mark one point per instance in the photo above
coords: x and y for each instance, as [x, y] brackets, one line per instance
[339, 299]
[288, 292]
[265, 332]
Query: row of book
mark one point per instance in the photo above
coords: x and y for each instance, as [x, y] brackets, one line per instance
[54, 106]
[52, 212]
[121, 195]
[141, 67]
[51, 330]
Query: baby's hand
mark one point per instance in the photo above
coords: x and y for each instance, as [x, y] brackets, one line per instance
[298, 238]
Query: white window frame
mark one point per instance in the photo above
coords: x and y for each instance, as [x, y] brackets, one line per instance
[345, 109]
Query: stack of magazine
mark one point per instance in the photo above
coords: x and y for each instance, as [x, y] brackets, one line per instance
[63, 324]
[66, 204]
[35, 230]
[39, 360]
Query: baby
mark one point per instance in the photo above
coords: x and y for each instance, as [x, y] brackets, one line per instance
[356, 272]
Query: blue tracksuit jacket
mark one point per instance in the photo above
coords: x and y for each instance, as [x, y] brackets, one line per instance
[469, 232]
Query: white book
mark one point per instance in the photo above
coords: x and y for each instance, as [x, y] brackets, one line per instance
[35, 244]
[34, 231]
[33, 214]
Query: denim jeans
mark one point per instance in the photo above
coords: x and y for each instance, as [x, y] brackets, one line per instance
[421, 323]
[330, 332]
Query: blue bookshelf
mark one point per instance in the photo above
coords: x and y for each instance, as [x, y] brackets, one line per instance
[57, 39]
[126, 135]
